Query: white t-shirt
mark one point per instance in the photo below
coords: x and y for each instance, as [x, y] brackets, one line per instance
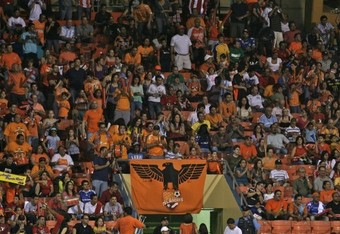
[62, 162]
[236, 230]
[274, 66]
[181, 44]
[90, 209]
[154, 89]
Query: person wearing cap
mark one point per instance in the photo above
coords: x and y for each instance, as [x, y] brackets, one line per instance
[155, 92]
[208, 63]
[247, 223]
[181, 50]
[232, 228]
[316, 209]
[163, 227]
[155, 144]
[158, 72]
[247, 42]
[279, 176]
[136, 153]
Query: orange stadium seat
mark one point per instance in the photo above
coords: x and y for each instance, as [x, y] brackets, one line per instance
[335, 225]
[321, 227]
[256, 116]
[281, 227]
[266, 227]
[303, 227]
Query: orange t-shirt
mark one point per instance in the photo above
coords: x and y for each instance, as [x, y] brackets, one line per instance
[32, 125]
[92, 117]
[123, 103]
[67, 56]
[64, 108]
[248, 152]
[92, 86]
[17, 79]
[144, 51]
[102, 139]
[40, 27]
[214, 120]
[156, 151]
[275, 206]
[35, 158]
[269, 163]
[227, 109]
[19, 152]
[47, 168]
[132, 60]
[326, 196]
[295, 46]
[9, 59]
[118, 147]
[13, 129]
[187, 228]
[127, 225]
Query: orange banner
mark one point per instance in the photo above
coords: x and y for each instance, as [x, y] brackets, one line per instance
[168, 186]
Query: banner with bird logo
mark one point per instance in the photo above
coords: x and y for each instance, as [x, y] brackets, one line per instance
[167, 186]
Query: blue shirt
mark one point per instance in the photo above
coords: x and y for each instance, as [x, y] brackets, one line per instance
[85, 196]
[315, 208]
[139, 155]
[30, 46]
[256, 224]
[268, 121]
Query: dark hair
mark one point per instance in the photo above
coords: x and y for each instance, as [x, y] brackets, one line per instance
[97, 219]
[230, 221]
[255, 163]
[240, 103]
[297, 196]
[324, 183]
[84, 181]
[93, 195]
[187, 218]
[128, 210]
[299, 137]
[276, 191]
[203, 229]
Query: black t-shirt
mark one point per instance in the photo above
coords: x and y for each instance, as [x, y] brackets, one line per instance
[335, 207]
[27, 230]
[9, 118]
[83, 230]
[76, 78]
[238, 9]
[53, 33]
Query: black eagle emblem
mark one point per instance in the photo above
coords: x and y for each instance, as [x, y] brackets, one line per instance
[169, 174]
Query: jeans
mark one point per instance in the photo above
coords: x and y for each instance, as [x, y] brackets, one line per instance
[87, 12]
[134, 106]
[99, 186]
[66, 13]
[154, 109]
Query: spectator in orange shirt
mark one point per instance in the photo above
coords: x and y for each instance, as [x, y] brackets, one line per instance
[20, 149]
[227, 108]
[248, 149]
[326, 193]
[15, 128]
[101, 138]
[277, 207]
[128, 224]
[16, 82]
[121, 143]
[133, 58]
[214, 118]
[296, 45]
[9, 58]
[64, 106]
[155, 144]
[91, 119]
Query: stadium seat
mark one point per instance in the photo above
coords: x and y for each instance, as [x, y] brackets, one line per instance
[256, 116]
[281, 227]
[305, 200]
[321, 227]
[335, 225]
[266, 227]
[303, 227]
[110, 225]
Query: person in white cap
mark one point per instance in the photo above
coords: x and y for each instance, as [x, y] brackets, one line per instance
[165, 230]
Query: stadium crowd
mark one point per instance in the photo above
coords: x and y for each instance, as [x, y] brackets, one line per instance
[165, 80]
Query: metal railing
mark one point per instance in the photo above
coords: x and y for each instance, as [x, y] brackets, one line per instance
[228, 172]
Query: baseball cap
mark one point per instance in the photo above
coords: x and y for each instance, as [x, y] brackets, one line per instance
[164, 218]
[136, 143]
[165, 229]
[278, 162]
[158, 68]
[53, 129]
[206, 57]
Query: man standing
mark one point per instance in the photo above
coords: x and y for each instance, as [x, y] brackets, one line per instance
[101, 171]
[247, 223]
[181, 50]
[128, 224]
[239, 17]
[232, 228]
[156, 91]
